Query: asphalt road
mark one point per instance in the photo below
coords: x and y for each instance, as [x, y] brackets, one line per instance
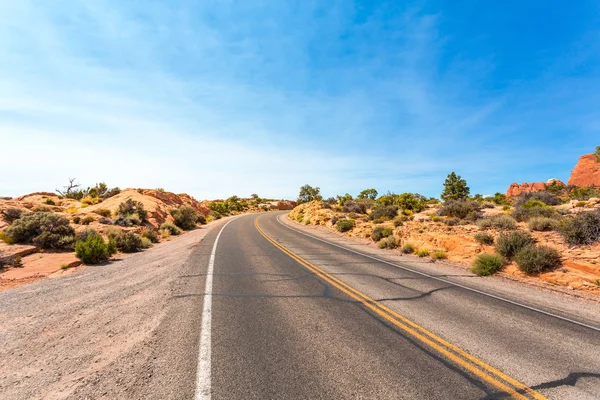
[287, 316]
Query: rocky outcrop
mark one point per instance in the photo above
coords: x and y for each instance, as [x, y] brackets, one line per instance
[516, 189]
[586, 172]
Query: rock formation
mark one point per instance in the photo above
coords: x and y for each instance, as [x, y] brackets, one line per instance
[586, 172]
[516, 189]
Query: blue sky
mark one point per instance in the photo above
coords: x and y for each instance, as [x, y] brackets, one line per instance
[216, 98]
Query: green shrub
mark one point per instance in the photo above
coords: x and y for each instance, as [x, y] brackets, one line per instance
[150, 234]
[11, 214]
[201, 219]
[484, 238]
[6, 239]
[510, 243]
[185, 217]
[544, 197]
[398, 222]
[461, 209]
[533, 209]
[351, 206]
[344, 225]
[94, 249]
[378, 221]
[87, 220]
[581, 229]
[41, 209]
[584, 193]
[535, 259]
[384, 212]
[50, 202]
[77, 219]
[486, 264]
[129, 242]
[410, 201]
[171, 228]
[597, 153]
[439, 255]
[389, 242]
[437, 219]
[408, 248]
[501, 221]
[45, 230]
[146, 243]
[451, 221]
[380, 233]
[422, 252]
[542, 224]
[103, 212]
[131, 212]
[300, 217]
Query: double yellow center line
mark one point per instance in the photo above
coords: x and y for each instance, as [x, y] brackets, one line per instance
[472, 364]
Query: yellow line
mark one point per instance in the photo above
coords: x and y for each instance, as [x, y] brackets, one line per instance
[486, 372]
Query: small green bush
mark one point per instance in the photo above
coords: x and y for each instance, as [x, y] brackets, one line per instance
[355, 207]
[398, 222]
[6, 239]
[50, 202]
[510, 243]
[484, 238]
[94, 249]
[384, 212]
[77, 219]
[543, 197]
[389, 242]
[536, 209]
[41, 209]
[300, 217]
[146, 243]
[87, 220]
[380, 233]
[461, 209]
[422, 252]
[501, 221]
[103, 212]
[581, 229]
[171, 228]
[437, 219]
[344, 225]
[185, 217]
[536, 259]
[597, 153]
[542, 224]
[131, 212]
[11, 214]
[408, 248]
[581, 204]
[44, 229]
[201, 219]
[487, 264]
[439, 255]
[129, 242]
[150, 234]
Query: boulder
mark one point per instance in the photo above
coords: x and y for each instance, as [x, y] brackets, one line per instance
[586, 173]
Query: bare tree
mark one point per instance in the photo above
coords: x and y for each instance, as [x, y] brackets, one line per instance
[69, 188]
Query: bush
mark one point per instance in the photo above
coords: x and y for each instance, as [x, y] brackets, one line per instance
[131, 212]
[146, 243]
[544, 197]
[87, 220]
[536, 259]
[150, 234]
[42, 208]
[300, 217]
[344, 225]
[584, 193]
[6, 239]
[11, 214]
[533, 209]
[129, 242]
[439, 255]
[49, 202]
[422, 252]
[484, 238]
[201, 219]
[171, 228]
[77, 219]
[185, 217]
[398, 222]
[500, 221]
[581, 229]
[380, 233]
[408, 248]
[389, 242]
[486, 264]
[510, 243]
[351, 206]
[384, 212]
[461, 209]
[597, 153]
[410, 201]
[46, 230]
[542, 224]
[94, 249]
[103, 212]
[451, 221]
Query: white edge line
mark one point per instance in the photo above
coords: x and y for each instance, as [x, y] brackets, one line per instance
[443, 280]
[203, 370]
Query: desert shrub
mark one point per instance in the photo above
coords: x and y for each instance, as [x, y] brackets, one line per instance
[581, 229]
[46, 230]
[76, 219]
[185, 217]
[6, 239]
[128, 242]
[535, 259]
[389, 242]
[215, 215]
[87, 220]
[171, 228]
[103, 212]
[201, 219]
[398, 222]
[408, 248]
[486, 264]
[422, 252]
[41, 208]
[533, 209]
[378, 221]
[384, 212]
[461, 209]
[300, 217]
[584, 193]
[352, 206]
[439, 255]
[484, 238]
[488, 204]
[500, 221]
[91, 200]
[544, 197]
[410, 201]
[510, 243]
[105, 221]
[451, 221]
[11, 214]
[150, 234]
[94, 249]
[344, 225]
[437, 219]
[597, 153]
[82, 236]
[380, 233]
[146, 243]
[542, 224]
[581, 204]
[49, 202]
[131, 212]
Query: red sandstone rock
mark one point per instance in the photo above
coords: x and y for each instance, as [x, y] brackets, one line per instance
[586, 172]
[515, 189]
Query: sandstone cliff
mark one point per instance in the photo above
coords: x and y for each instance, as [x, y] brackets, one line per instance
[516, 189]
[586, 172]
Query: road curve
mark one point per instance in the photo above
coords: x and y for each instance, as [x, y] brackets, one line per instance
[289, 317]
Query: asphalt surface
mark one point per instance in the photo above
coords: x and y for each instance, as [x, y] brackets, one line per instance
[280, 330]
